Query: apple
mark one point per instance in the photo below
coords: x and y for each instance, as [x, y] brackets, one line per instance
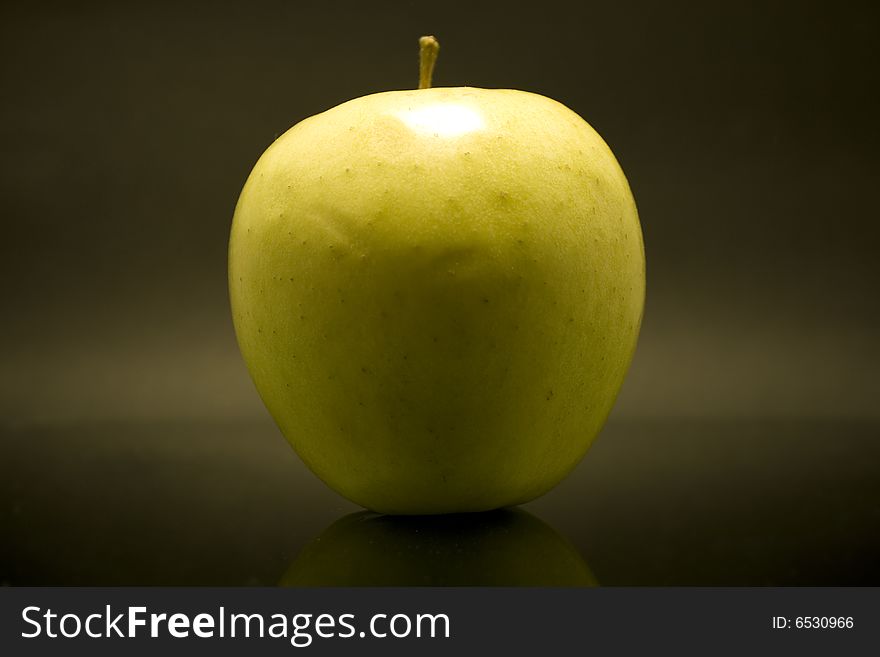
[438, 293]
[508, 547]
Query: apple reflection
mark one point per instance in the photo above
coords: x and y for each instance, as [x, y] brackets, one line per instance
[508, 547]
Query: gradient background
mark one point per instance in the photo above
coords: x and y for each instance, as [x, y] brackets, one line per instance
[744, 446]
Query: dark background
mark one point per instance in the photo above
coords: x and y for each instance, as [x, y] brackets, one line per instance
[744, 446]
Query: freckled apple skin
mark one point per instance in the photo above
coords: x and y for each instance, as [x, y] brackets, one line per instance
[438, 294]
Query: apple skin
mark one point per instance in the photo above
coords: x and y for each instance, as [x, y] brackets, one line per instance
[508, 547]
[438, 294]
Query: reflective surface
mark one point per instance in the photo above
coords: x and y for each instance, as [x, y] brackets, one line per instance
[507, 547]
[667, 501]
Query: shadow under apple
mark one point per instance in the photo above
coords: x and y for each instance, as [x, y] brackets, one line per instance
[508, 547]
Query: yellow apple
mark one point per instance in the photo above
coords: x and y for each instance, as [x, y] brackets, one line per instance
[438, 293]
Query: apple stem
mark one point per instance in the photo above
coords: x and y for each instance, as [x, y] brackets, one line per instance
[428, 49]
